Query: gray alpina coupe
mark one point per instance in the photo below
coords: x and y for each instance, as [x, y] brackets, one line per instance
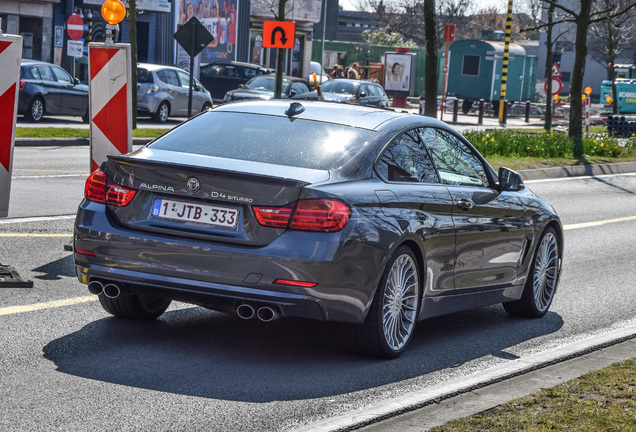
[330, 212]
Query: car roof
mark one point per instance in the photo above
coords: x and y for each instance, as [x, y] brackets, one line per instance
[234, 62]
[285, 77]
[154, 67]
[24, 62]
[348, 115]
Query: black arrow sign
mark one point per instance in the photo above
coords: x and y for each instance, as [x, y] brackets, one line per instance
[280, 30]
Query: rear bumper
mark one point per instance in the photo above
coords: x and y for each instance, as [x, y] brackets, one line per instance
[223, 275]
[215, 296]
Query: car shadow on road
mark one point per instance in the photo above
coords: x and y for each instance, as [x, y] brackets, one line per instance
[57, 269]
[202, 353]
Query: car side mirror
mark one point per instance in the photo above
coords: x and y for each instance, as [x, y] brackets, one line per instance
[76, 81]
[293, 93]
[362, 94]
[509, 180]
[197, 87]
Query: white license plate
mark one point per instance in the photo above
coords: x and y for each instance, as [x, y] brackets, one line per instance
[185, 211]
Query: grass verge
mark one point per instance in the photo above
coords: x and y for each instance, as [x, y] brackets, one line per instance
[523, 163]
[54, 132]
[603, 400]
[496, 160]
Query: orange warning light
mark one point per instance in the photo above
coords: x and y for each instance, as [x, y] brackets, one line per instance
[113, 11]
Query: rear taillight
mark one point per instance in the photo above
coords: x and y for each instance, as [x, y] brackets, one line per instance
[323, 215]
[153, 88]
[95, 187]
[22, 85]
[98, 189]
[275, 217]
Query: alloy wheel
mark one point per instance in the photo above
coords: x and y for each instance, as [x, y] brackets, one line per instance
[399, 308]
[546, 271]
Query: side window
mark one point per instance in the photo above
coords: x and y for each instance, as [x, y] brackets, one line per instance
[470, 65]
[35, 73]
[231, 71]
[248, 72]
[45, 73]
[184, 78]
[406, 159]
[61, 75]
[169, 77]
[456, 163]
[379, 90]
[162, 76]
[299, 88]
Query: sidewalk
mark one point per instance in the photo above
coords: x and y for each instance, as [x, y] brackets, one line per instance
[436, 405]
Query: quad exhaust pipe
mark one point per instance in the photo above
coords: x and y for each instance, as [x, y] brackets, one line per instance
[112, 290]
[264, 313]
[95, 287]
[109, 289]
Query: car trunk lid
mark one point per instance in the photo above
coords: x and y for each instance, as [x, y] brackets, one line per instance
[204, 197]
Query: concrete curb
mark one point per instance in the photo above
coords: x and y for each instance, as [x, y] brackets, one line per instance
[406, 403]
[579, 171]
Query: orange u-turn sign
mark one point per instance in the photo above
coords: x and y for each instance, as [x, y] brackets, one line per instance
[279, 34]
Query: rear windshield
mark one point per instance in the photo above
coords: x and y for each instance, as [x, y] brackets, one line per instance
[342, 87]
[144, 76]
[268, 139]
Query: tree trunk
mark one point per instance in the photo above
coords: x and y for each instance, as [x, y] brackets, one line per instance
[549, 59]
[132, 37]
[576, 87]
[430, 72]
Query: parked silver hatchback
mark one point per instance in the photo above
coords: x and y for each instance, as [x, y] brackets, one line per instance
[162, 92]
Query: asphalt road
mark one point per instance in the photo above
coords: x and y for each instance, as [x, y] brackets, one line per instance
[66, 365]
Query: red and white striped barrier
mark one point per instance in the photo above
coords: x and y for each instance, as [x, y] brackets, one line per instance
[10, 58]
[110, 101]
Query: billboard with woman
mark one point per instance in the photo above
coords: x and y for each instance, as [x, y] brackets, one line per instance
[399, 69]
[219, 17]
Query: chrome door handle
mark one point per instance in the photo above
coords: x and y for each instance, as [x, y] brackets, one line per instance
[465, 204]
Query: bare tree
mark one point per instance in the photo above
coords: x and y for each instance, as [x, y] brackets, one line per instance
[611, 38]
[581, 17]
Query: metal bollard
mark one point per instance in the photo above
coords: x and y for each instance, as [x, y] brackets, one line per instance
[528, 112]
[481, 112]
[455, 109]
[505, 112]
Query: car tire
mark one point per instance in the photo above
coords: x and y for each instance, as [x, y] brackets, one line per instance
[543, 278]
[136, 307]
[86, 117]
[206, 106]
[163, 112]
[35, 112]
[391, 319]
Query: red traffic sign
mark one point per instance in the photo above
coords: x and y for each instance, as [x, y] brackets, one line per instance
[279, 34]
[556, 72]
[75, 27]
[555, 88]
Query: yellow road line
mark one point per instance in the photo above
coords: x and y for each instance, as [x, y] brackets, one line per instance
[36, 235]
[47, 305]
[598, 223]
[46, 170]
